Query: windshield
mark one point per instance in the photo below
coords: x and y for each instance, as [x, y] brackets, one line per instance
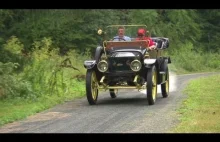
[129, 30]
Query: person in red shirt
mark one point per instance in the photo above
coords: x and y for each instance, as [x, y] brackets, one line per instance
[143, 35]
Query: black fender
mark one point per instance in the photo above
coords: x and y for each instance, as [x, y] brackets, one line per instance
[164, 65]
[89, 64]
[149, 62]
[163, 68]
[99, 50]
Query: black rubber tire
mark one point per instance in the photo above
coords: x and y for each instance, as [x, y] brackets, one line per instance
[151, 85]
[112, 93]
[91, 87]
[165, 86]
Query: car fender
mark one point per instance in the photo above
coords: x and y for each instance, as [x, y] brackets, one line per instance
[98, 52]
[89, 64]
[149, 62]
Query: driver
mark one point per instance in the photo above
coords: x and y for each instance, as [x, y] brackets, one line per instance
[121, 35]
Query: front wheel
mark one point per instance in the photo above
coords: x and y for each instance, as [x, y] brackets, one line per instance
[91, 87]
[151, 85]
[165, 86]
[112, 93]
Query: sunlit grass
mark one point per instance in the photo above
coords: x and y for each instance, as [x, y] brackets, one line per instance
[200, 112]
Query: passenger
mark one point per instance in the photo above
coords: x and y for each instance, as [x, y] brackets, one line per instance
[143, 35]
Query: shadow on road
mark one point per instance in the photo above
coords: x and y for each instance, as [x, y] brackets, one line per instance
[140, 100]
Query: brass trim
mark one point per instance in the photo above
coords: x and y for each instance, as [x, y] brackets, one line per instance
[122, 87]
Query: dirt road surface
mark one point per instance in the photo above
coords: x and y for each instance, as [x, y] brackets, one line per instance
[128, 113]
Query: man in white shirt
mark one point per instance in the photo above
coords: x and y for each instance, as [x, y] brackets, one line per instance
[121, 35]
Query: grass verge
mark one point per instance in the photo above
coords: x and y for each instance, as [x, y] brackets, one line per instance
[19, 108]
[200, 112]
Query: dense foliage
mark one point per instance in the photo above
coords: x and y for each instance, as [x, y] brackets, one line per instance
[76, 29]
[34, 42]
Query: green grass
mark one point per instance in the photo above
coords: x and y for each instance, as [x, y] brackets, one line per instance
[48, 80]
[191, 62]
[17, 109]
[180, 70]
[200, 112]
[186, 60]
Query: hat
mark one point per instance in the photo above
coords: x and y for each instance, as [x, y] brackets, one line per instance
[141, 32]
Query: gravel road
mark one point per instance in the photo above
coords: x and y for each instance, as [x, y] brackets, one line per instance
[128, 113]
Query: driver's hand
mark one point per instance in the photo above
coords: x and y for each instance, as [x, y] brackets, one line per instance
[152, 47]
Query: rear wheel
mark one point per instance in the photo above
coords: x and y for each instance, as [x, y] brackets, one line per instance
[151, 85]
[112, 93]
[165, 86]
[91, 87]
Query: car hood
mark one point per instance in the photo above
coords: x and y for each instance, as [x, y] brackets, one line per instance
[125, 54]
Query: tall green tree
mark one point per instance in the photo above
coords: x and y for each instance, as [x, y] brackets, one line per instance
[210, 29]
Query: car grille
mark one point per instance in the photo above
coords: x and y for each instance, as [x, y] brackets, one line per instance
[118, 64]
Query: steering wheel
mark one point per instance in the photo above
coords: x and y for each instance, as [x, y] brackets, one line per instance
[119, 38]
